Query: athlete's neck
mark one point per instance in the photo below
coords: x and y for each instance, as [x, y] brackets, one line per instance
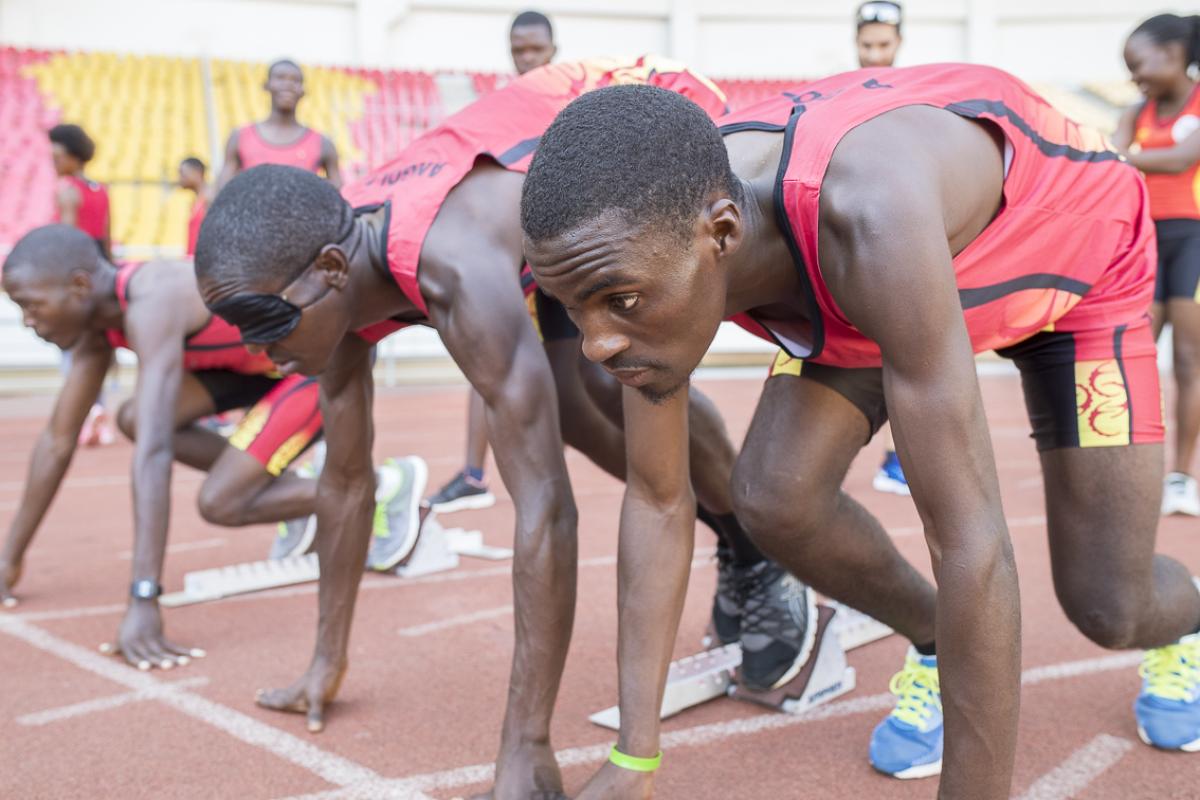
[281, 118]
[376, 295]
[1172, 101]
[107, 313]
[760, 271]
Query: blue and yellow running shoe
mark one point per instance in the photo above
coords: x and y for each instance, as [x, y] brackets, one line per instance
[1168, 708]
[908, 743]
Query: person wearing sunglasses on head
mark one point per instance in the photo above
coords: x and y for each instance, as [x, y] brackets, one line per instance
[878, 37]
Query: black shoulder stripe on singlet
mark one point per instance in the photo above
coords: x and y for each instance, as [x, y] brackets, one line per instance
[518, 151]
[981, 295]
[977, 108]
[206, 348]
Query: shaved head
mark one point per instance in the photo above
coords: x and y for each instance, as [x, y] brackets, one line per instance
[51, 253]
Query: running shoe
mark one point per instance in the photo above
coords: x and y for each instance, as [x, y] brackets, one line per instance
[890, 478]
[1181, 495]
[462, 493]
[778, 625]
[908, 743]
[295, 536]
[1168, 708]
[397, 511]
[727, 606]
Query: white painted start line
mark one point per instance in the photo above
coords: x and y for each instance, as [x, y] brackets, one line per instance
[329, 767]
[1082, 767]
[413, 787]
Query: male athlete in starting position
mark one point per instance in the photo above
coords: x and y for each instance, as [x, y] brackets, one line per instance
[882, 225]
[191, 365]
[434, 238]
[280, 138]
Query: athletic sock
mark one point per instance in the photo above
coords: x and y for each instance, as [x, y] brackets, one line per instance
[474, 473]
[729, 532]
[926, 649]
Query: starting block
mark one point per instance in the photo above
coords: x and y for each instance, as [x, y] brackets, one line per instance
[437, 550]
[713, 673]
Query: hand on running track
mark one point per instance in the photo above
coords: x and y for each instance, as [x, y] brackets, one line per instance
[616, 783]
[140, 640]
[309, 695]
[527, 772]
[9, 575]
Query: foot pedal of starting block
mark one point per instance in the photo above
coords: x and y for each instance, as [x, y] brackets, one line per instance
[470, 543]
[854, 628]
[254, 576]
[432, 552]
[690, 681]
[824, 677]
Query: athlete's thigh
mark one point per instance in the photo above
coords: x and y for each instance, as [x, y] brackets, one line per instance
[809, 424]
[1096, 410]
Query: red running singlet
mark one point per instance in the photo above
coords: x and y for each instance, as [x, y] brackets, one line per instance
[1171, 196]
[253, 150]
[218, 345]
[1071, 250]
[504, 126]
[92, 215]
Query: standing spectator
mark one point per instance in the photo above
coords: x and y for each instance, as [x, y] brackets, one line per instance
[191, 177]
[280, 138]
[1161, 137]
[531, 42]
[878, 38]
[83, 203]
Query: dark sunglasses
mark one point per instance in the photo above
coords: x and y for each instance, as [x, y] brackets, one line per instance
[263, 319]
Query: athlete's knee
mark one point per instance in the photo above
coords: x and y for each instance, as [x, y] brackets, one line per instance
[1187, 360]
[1104, 612]
[772, 505]
[126, 419]
[220, 504]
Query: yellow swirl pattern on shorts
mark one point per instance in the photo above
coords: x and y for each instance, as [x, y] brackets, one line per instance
[1101, 404]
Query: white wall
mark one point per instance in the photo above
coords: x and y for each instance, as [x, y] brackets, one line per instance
[1042, 40]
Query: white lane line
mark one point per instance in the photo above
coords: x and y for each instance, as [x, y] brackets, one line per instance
[403, 788]
[1082, 767]
[416, 631]
[184, 547]
[105, 703]
[100, 481]
[327, 766]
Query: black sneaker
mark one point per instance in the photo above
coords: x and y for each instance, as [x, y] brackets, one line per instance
[727, 606]
[462, 493]
[778, 625]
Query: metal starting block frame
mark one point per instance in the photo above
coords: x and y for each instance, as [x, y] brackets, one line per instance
[437, 549]
[713, 673]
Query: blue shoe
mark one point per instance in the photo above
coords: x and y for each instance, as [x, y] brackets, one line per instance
[908, 743]
[890, 477]
[1168, 708]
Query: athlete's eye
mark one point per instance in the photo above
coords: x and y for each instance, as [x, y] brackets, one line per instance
[623, 302]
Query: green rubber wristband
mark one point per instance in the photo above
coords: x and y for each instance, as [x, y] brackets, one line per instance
[633, 762]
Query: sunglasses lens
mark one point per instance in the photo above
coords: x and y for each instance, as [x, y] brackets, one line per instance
[886, 13]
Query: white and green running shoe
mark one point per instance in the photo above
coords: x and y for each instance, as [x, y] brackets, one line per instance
[295, 536]
[397, 511]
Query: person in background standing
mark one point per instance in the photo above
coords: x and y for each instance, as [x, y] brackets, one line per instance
[191, 177]
[531, 42]
[82, 203]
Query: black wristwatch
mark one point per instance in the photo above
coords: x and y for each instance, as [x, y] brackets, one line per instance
[145, 589]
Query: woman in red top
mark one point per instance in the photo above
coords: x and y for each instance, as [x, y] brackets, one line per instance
[82, 203]
[1161, 137]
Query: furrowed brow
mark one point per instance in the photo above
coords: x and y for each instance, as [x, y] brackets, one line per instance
[606, 282]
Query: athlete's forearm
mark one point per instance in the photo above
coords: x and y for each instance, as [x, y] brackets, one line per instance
[151, 509]
[345, 506]
[1165, 161]
[48, 464]
[653, 563]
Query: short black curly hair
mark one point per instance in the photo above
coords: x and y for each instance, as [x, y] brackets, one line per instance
[51, 251]
[647, 153]
[268, 224]
[74, 140]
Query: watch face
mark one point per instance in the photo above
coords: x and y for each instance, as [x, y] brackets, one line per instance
[145, 589]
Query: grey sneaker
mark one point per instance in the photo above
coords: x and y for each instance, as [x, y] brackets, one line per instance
[727, 606]
[462, 493]
[778, 625]
[397, 511]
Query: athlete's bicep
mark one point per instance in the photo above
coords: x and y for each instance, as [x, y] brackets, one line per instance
[347, 388]
[329, 162]
[156, 332]
[1126, 128]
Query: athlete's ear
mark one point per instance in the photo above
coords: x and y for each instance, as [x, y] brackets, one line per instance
[724, 224]
[79, 283]
[333, 266]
